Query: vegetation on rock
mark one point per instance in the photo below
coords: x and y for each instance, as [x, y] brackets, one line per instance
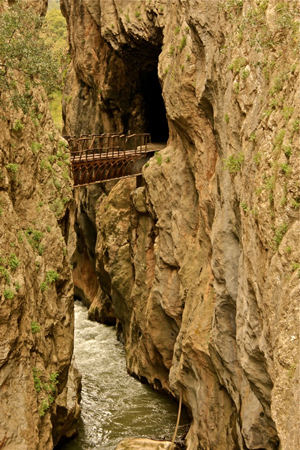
[26, 61]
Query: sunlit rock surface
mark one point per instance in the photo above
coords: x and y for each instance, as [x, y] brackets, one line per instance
[39, 386]
[202, 264]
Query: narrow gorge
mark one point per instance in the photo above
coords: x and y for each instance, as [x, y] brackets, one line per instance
[197, 261]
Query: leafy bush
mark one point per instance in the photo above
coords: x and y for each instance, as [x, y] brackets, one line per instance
[13, 262]
[286, 169]
[182, 43]
[4, 272]
[8, 294]
[36, 147]
[35, 327]
[51, 276]
[36, 379]
[43, 286]
[237, 64]
[18, 126]
[12, 167]
[34, 238]
[158, 158]
[234, 163]
[23, 51]
[279, 233]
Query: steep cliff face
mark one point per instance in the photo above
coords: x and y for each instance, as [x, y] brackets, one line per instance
[202, 262]
[39, 387]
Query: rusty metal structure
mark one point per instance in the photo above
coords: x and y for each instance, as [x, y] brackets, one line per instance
[98, 158]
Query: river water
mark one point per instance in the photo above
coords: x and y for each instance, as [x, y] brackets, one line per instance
[114, 405]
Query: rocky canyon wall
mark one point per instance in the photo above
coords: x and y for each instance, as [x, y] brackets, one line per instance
[201, 263]
[39, 386]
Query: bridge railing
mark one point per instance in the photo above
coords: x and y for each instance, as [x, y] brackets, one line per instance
[107, 146]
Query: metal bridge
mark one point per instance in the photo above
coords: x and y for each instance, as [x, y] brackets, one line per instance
[97, 158]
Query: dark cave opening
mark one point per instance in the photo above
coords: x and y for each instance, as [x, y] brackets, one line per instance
[155, 111]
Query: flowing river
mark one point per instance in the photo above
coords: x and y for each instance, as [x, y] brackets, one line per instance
[114, 405]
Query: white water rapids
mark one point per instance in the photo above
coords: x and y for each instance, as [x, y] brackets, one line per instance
[114, 405]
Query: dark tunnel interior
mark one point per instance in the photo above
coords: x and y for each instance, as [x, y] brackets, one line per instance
[155, 111]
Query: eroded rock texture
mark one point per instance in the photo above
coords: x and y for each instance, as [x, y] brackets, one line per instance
[39, 386]
[201, 263]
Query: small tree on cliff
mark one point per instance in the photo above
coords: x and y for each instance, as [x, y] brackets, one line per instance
[25, 60]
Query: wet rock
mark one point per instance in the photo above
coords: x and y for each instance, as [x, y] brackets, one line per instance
[147, 444]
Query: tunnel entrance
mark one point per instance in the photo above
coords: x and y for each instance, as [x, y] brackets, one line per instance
[155, 111]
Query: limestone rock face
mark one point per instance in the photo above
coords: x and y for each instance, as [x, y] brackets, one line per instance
[202, 262]
[36, 292]
[39, 385]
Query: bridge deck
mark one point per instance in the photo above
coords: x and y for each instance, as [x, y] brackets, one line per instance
[99, 158]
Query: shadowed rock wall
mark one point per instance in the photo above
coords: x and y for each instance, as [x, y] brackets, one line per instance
[201, 263]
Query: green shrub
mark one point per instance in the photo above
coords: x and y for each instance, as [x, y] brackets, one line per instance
[53, 380]
[296, 126]
[234, 163]
[34, 238]
[36, 379]
[257, 158]
[237, 64]
[44, 407]
[65, 175]
[286, 169]
[287, 150]
[4, 272]
[245, 74]
[158, 158]
[296, 203]
[18, 126]
[41, 249]
[52, 159]
[35, 327]
[8, 294]
[12, 167]
[279, 138]
[35, 147]
[51, 276]
[236, 88]
[57, 207]
[13, 262]
[287, 112]
[182, 43]
[279, 233]
[43, 286]
[23, 51]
